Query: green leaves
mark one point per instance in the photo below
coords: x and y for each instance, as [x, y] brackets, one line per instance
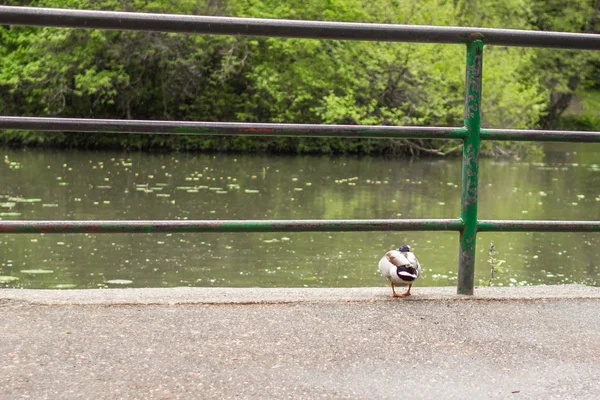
[150, 75]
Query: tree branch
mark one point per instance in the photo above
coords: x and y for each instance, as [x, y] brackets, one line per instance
[437, 152]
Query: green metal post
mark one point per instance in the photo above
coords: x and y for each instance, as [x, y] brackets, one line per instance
[470, 168]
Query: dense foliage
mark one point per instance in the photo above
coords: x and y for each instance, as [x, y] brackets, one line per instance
[147, 75]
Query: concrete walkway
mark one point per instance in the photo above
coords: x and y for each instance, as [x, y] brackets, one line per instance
[197, 343]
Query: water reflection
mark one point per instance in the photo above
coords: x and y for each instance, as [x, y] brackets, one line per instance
[45, 184]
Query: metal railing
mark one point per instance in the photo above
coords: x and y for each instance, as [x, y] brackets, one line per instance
[468, 225]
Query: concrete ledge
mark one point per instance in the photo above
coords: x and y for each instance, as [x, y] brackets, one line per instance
[173, 296]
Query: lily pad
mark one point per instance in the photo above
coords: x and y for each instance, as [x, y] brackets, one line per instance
[8, 278]
[119, 281]
[22, 200]
[36, 271]
[65, 286]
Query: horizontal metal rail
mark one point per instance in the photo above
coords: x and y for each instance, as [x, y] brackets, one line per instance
[317, 225]
[227, 128]
[525, 135]
[291, 130]
[11, 15]
[537, 226]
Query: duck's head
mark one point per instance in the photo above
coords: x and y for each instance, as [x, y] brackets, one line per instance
[404, 248]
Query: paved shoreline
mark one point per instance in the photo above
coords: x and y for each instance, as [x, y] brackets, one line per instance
[203, 343]
[185, 295]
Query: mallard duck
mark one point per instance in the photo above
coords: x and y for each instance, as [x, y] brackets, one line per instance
[400, 267]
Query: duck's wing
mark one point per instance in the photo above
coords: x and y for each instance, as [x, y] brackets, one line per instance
[396, 258]
[389, 263]
[412, 259]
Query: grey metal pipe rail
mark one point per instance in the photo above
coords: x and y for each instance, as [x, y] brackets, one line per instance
[271, 129]
[537, 226]
[227, 128]
[67, 18]
[540, 135]
[315, 225]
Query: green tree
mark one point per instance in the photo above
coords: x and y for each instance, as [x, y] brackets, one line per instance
[564, 72]
[150, 75]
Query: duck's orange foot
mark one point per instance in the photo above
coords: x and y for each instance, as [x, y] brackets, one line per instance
[405, 294]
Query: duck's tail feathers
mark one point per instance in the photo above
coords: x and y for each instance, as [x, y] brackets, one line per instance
[407, 274]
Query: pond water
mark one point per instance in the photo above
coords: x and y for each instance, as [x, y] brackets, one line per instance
[74, 185]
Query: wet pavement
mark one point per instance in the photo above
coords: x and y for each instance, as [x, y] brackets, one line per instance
[521, 343]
